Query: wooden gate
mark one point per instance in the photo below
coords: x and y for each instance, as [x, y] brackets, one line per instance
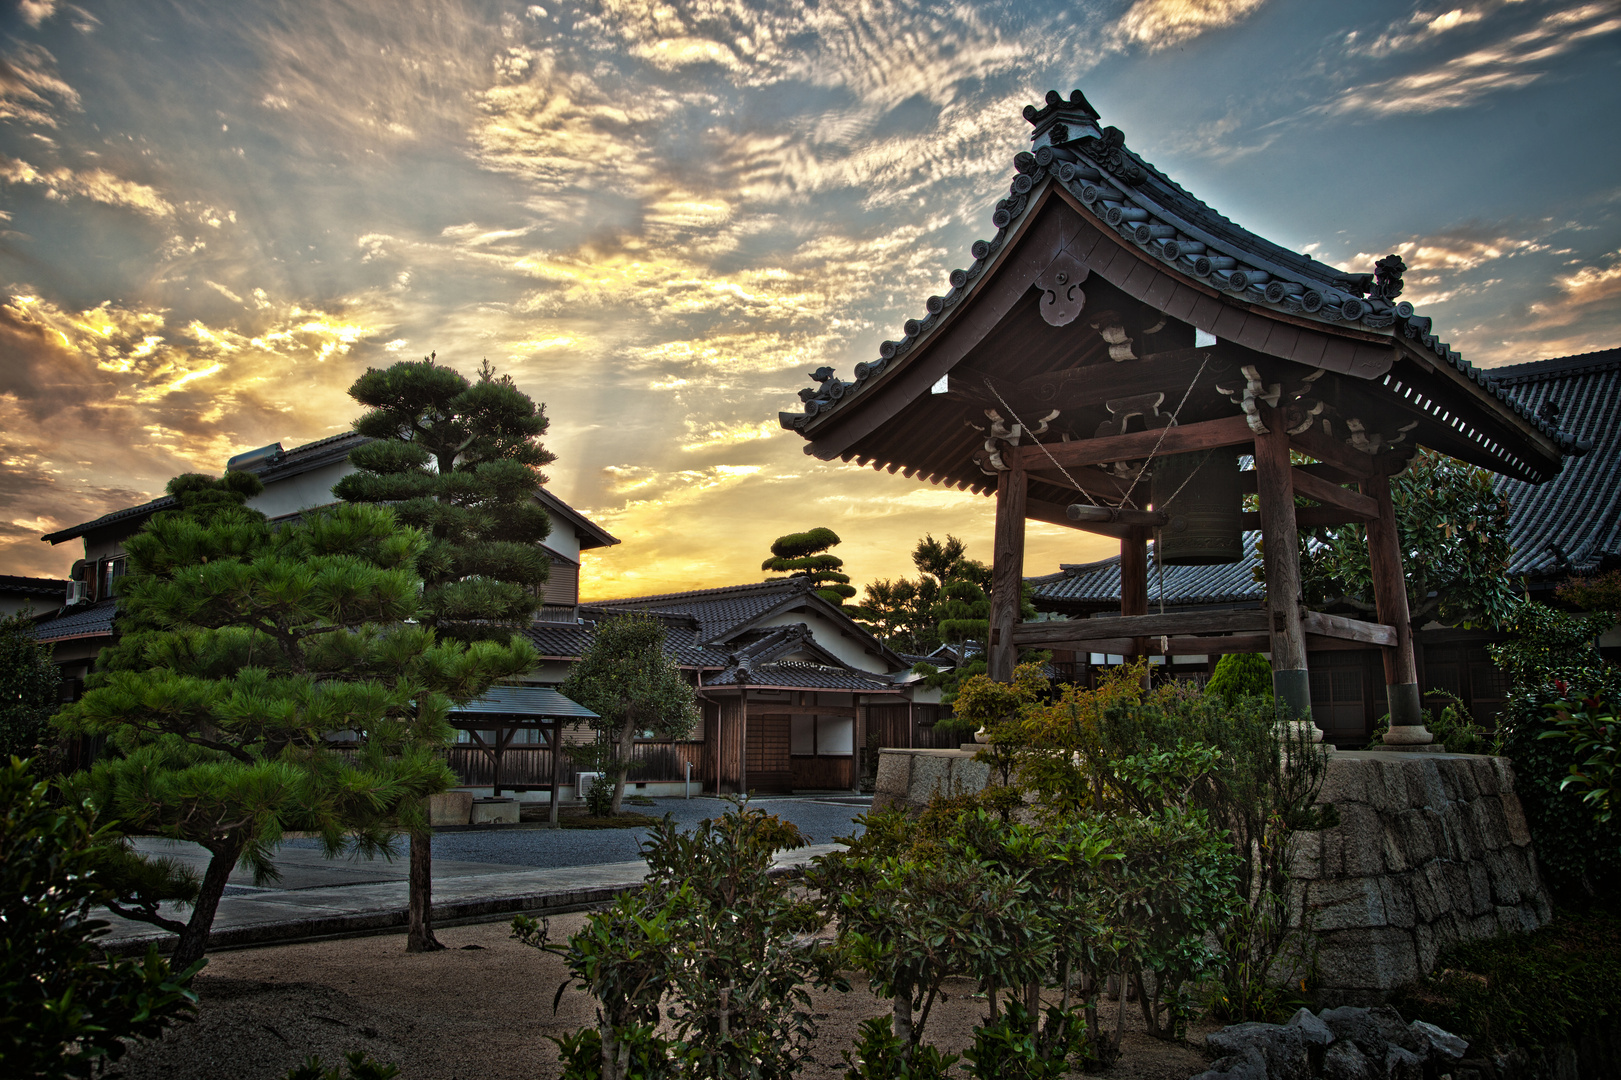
[767, 752]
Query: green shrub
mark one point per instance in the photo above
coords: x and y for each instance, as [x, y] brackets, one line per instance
[881, 1055]
[1552, 658]
[1010, 1047]
[1526, 990]
[65, 1011]
[1241, 675]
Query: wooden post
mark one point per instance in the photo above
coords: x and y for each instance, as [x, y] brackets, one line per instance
[557, 768]
[1134, 583]
[1280, 544]
[858, 743]
[1390, 596]
[1007, 572]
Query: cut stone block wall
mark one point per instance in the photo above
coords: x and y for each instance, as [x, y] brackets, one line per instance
[1431, 849]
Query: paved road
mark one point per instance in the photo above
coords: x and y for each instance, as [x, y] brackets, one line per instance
[478, 874]
[500, 849]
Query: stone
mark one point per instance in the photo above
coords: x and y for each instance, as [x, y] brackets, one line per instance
[1403, 1064]
[1364, 840]
[931, 776]
[1371, 1029]
[1397, 901]
[1345, 1062]
[1306, 856]
[894, 775]
[1345, 781]
[1353, 902]
[450, 808]
[1519, 833]
[1250, 1065]
[1283, 1048]
[1442, 1044]
[1480, 889]
[1312, 1030]
[494, 812]
[1377, 958]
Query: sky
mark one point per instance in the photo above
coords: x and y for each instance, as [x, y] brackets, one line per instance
[659, 217]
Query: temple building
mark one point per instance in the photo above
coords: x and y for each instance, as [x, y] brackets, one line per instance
[1112, 358]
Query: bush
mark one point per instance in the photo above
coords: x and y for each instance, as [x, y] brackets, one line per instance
[29, 689]
[1551, 658]
[1240, 675]
[1526, 990]
[65, 1011]
[882, 1055]
[1009, 1047]
[360, 1067]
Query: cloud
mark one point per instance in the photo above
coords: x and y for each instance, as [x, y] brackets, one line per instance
[30, 87]
[35, 12]
[1160, 24]
[96, 184]
[1515, 60]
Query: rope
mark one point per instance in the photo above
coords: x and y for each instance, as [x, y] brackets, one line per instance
[1164, 430]
[1024, 427]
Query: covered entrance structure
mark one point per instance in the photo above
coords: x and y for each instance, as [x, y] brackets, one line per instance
[1111, 357]
[530, 713]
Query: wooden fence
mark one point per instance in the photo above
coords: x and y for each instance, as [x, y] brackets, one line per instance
[525, 766]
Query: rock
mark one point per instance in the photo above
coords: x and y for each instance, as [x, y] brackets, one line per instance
[1403, 1064]
[1283, 1048]
[1345, 1062]
[1250, 1065]
[1371, 1029]
[1312, 1030]
[1442, 1044]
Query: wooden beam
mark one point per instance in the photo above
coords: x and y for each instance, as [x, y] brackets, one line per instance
[1134, 582]
[1330, 473]
[1180, 645]
[1390, 598]
[1182, 439]
[1080, 478]
[1108, 515]
[1007, 572]
[1054, 514]
[756, 707]
[1338, 626]
[1308, 517]
[1088, 384]
[1138, 626]
[1326, 448]
[1331, 494]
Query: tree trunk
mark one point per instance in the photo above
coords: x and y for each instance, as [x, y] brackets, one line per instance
[419, 937]
[194, 938]
[903, 1017]
[627, 746]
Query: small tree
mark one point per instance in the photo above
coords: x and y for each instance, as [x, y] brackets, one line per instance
[1453, 530]
[460, 461]
[1240, 675]
[244, 649]
[29, 689]
[65, 1009]
[806, 555]
[633, 687]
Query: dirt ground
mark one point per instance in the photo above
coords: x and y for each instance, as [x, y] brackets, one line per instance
[480, 1010]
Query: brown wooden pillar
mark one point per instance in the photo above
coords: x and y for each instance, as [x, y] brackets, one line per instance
[557, 768]
[1134, 583]
[1280, 542]
[859, 744]
[1390, 596]
[1007, 572]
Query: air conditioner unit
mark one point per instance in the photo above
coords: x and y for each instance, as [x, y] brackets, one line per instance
[76, 591]
[583, 783]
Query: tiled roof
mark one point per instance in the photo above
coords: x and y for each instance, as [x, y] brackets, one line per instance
[1095, 586]
[300, 459]
[572, 639]
[33, 586]
[537, 702]
[798, 674]
[591, 534]
[1151, 211]
[719, 613]
[93, 620]
[1572, 522]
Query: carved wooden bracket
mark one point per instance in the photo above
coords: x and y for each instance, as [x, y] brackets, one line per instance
[1061, 286]
[1249, 397]
[1143, 406]
[1000, 435]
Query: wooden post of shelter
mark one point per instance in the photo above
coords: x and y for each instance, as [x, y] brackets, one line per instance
[1007, 572]
[1275, 492]
[1390, 596]
[1134, 583]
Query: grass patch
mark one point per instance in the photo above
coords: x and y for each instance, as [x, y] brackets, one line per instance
[1525, 990]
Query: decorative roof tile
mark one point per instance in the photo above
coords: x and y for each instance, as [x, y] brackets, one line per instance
[79, 621]
[1096, 586]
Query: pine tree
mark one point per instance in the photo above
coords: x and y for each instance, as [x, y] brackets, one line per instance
[628, 681]
[461, 462]
[29, 690]
[805, 555]
[243, 651]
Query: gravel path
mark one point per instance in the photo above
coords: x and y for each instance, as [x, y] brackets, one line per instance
[546, 849]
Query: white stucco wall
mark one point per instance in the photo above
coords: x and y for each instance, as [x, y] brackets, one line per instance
[831, 637]
[283, 497]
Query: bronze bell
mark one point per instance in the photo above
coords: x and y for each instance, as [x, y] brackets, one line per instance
[1202, 493]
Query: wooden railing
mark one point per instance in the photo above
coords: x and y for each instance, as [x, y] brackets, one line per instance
[531, 766]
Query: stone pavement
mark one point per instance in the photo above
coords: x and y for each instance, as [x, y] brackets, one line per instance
[319, 898]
